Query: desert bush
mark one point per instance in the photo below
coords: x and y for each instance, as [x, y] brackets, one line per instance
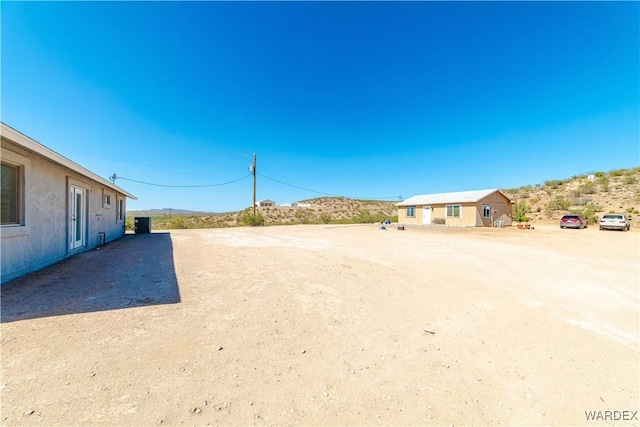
[128, 222]
[590, 213]
[520, 211]
[555, 183]
[303, 215]
[630, 179]
[248, 218]
[559, 204]
[363, 217]
[603, 182]
[178, 222]
[589, 188]
[325, 217]
[619, 172]
[580, 201]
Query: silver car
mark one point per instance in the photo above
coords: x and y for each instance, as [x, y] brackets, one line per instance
[615, 222]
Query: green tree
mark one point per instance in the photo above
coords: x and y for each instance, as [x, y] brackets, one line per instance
[520, 211]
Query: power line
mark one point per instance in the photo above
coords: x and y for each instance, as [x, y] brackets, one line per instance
[328, 194]
[299, 188]
[114, 177]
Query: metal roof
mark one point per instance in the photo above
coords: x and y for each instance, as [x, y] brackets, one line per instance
[455, 197]
[24, 141]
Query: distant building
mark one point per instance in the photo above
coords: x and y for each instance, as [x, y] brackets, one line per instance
[265, 203]
[301, 205]
[480, 208]
[52, 208]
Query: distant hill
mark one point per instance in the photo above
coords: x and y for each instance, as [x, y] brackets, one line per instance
[590, 194]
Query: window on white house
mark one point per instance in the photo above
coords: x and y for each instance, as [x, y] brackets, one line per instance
[106, 199]
[411, 211]
[11, 195]
[120, 208]
[453, 211]
[486, 211]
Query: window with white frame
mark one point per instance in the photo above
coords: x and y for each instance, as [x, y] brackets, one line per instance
[11, 194]
[106, 199]
[411, 211]
[486, 211]
[453, 211]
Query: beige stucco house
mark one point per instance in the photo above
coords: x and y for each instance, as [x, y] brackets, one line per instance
[51, 207]
[479, 208]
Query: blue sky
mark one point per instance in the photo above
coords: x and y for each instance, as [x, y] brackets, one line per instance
[357, 99]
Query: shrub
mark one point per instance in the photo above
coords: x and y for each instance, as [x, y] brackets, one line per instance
[325, 217]
[364, 217]
[589, 188]
[554, 183]
[559, 204]
[128, 222]
[580, 201]
[603, 182]
[178, 222]
[303, 215]
[589, 212]
[520, 211]
[630, 179]
[248, 218]
[619, 172]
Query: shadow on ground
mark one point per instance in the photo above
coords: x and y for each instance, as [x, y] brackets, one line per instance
[133, 271]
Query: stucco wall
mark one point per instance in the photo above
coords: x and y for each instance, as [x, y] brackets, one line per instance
[43, 238]
[471, 213]
[467, 218]
[500, 210]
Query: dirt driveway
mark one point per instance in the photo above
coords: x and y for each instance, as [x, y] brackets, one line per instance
[329, 325]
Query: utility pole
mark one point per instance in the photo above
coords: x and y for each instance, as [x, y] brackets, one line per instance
[252, 169]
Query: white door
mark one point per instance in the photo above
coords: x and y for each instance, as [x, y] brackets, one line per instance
[426, 215]
[77, 217]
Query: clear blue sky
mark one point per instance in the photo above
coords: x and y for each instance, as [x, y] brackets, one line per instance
[359, 99]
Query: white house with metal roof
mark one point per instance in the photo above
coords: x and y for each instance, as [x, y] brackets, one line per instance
[51, 207]
[478, 208]
[265, 203]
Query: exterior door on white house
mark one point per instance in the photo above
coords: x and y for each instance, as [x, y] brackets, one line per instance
[426, 215]
[77, 217]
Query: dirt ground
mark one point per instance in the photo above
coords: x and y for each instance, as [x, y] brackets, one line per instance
[329, 325]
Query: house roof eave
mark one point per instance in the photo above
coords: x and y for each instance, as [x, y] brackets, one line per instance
[26, 142]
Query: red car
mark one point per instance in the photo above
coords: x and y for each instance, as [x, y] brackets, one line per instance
[573, 221]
